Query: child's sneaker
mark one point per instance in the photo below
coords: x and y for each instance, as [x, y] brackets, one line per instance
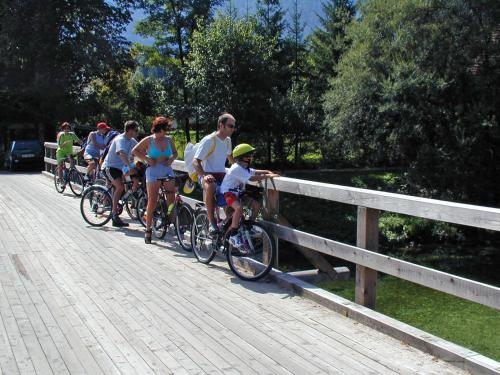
[235, 241]
[213, 229]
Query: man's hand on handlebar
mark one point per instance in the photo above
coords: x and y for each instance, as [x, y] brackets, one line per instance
[209, 179]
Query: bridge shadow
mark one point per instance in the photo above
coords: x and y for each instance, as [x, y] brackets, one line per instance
[219, 264]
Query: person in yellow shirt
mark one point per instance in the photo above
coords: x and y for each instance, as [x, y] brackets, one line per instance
[65, 141]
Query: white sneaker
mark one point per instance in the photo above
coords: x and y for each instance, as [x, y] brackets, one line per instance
[235, 241]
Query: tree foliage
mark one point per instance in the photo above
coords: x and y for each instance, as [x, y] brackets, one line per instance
[420, 87]
[51, 50]
[171, 24]
[229, 67]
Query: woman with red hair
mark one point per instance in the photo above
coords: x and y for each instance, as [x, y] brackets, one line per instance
[158, 150]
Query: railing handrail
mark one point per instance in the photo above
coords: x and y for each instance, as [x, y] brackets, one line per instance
[451, 212]
[476, 216]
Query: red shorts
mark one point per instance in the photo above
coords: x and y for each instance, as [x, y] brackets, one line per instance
[230, 198]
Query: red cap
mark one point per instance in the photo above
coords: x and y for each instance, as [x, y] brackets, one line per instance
[103, 125]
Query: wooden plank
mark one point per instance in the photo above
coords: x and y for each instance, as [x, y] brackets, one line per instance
[246, 330]
[458, 286]
[270, 212]
[188, 315]
[78, 335]
[22, 350]
[49, 312]
[54, 162]
[367, 238]
[457, 213]
[126, 324]
[174, 288]
[218, 299]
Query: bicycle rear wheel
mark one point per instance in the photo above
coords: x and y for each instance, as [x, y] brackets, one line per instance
[75, 182]
[95, 206]
[201, 242]
[160, 220]
[141, 209]
[59, 183]
[183, 223]
[256, 257]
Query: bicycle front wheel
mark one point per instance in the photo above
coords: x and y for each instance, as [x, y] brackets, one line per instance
[59, 183]
[142, 205]
[255, 258]
[76, 182]
[95, 206]
[130, 207]
[200, 240]
[183, 223]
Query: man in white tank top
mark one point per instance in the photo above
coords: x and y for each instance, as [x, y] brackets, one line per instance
[210, 163]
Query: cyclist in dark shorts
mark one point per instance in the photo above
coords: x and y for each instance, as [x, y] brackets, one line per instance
[210, 161]
[118, 162]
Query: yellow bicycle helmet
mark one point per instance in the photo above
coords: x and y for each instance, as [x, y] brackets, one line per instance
[242, 149]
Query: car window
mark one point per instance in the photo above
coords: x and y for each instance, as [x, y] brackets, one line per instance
[27, 145]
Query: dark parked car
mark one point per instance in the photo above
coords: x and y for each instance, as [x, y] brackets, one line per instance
[24, 153]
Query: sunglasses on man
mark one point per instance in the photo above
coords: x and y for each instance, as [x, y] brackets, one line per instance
[231, 126]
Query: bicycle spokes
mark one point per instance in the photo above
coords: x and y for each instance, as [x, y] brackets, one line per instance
[255, 257]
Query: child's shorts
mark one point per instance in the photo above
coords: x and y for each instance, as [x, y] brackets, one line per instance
[230, 198]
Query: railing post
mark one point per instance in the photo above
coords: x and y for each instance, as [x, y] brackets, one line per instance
[367, 238]
[270, 213]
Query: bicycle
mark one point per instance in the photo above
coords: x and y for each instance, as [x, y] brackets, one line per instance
[71, 177]
[97, 202]
[253, 261]
[97, 177]
[178, 213]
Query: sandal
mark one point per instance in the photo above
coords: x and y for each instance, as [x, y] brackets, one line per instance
[147, 235]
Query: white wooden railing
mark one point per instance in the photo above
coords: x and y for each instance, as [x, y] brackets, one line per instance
[364, 254]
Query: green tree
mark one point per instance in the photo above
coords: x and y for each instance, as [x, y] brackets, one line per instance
[51, 50]
[297, 110]
[420, 86]
[172, 24]
[229, 69]
[271, 25]
[326, 46]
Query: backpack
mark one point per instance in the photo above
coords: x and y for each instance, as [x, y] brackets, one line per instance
[189, 153]
[112, 134]
[84, 144]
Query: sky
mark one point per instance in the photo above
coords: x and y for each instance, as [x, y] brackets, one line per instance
[309, 9]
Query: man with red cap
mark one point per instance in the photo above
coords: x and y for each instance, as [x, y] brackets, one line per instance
[96, 143]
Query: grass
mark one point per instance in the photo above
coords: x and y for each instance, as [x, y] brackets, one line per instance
[465, 323]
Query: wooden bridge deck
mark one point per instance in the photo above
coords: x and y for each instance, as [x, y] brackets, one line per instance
[80, 300]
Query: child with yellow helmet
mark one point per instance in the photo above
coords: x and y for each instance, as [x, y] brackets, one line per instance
[233, 184]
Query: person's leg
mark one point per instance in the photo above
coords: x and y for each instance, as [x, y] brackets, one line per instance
[153, 192]
[60, 162]
[170, 186]
[208, 198]
[135, 183]
[90, 167]
[232, 232]
[255, 206]
[118, 191]
[237, 212]
[60, 169]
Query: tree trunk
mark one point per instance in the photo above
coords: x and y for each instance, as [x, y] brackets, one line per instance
[186, 130]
